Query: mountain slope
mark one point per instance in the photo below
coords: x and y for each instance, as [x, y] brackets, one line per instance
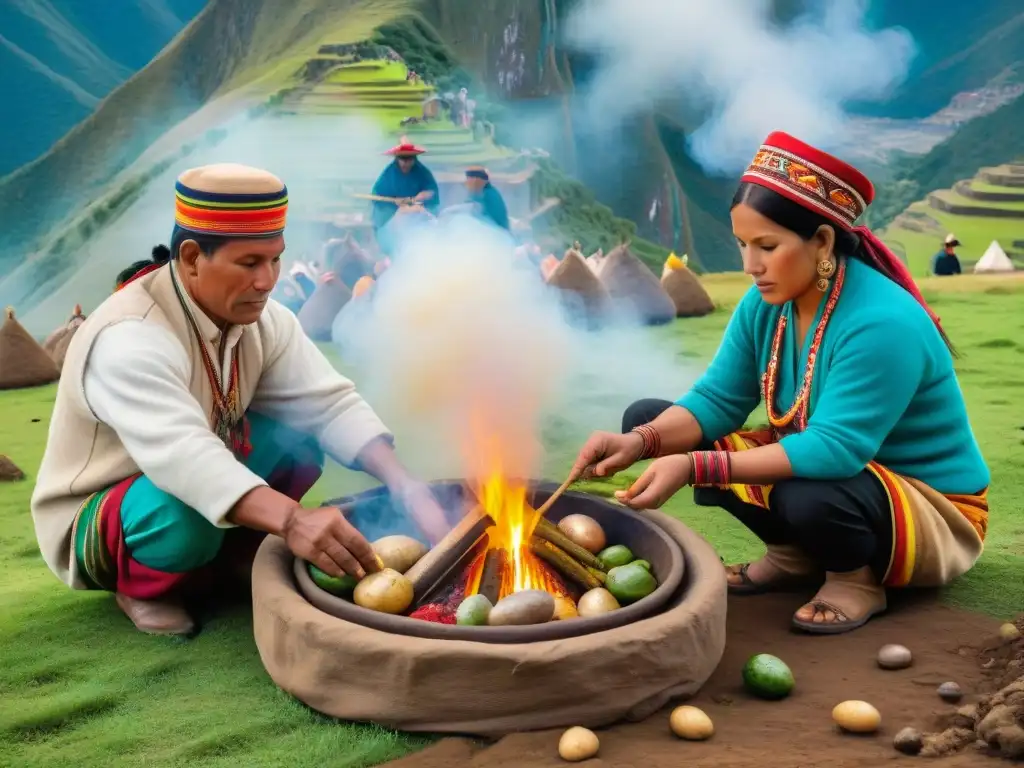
[60, 58]
[985, 141]
[244, 46]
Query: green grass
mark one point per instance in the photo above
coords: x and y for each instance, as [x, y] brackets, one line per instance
[952, 197]
[79, 687]
[975, 232]
[981, 186]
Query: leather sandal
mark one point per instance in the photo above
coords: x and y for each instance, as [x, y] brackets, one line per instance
[863, 600]
[794, 570]
[156, 617]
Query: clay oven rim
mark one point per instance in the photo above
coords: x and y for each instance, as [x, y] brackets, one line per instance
[661, 549]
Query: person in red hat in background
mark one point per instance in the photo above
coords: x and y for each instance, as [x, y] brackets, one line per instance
[406, 178]
[867, 475]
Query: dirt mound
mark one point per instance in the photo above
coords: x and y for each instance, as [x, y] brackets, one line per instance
[797, 731]
[632, 285]
[348, 260]
[686, 292]
[9, 471]
[317, 315]
[57, 343]
[994, 724]
[583, 288]
[23, 362]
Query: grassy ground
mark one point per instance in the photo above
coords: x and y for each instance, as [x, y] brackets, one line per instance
[79, 687]
[975, 232]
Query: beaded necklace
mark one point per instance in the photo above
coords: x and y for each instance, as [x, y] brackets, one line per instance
[796, 416]
[229, 424]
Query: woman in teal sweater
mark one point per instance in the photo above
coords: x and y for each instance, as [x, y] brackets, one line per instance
[867, 475]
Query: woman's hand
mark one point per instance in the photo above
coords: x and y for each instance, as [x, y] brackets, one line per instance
[605, 453]
[658, 483]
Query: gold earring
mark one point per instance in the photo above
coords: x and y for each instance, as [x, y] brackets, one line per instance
[825, 269]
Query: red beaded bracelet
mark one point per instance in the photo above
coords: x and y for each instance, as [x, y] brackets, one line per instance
[652, 441]
[710, 468]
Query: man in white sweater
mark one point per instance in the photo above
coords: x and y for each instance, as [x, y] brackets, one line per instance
[190, 403]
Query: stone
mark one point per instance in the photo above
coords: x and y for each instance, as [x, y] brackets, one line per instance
[894, 657]
[950, 692]
[909, 741]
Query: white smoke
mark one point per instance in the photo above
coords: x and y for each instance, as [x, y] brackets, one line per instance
[474, 357]
[729, 58]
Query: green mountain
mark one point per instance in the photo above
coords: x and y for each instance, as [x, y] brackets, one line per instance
[60, 58]
[238, 58]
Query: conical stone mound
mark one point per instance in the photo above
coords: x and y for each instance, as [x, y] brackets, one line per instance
[581, 288]
[686, 292]
[9, 471]
[23, 361]
[633, 286]
[317, 315]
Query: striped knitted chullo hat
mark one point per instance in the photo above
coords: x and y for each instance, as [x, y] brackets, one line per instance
[230, 200]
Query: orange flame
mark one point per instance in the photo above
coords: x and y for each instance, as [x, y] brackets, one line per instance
[504, 500]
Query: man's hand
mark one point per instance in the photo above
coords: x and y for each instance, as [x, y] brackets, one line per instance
[605, 453]
[326, 539]
[426, 194]
[419, 501]
[658, 483]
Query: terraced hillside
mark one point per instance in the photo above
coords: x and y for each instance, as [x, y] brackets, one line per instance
[379, 92]
[988, 207]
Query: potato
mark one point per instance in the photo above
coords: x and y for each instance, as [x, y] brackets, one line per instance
[386, 591]
[578, 744]
[530, 606]
[857, 717]
[585, 531]
[565, 608]
[596, 602]
[400, 553]
[691, 723]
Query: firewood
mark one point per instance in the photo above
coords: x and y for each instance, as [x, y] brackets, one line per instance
[562, 562]
[550, 532]
[433, 566]
[491, 577]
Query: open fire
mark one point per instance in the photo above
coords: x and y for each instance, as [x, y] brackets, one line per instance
[507, 565]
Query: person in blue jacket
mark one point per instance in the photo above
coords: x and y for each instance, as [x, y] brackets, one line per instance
[867, 475]
[486, 200]
[406, 178]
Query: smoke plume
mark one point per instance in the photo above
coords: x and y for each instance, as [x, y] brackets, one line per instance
[732, 62]
[473, 356]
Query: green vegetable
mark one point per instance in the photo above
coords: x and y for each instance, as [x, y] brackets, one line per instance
[629, 583]
[614, 556]
[768, 677]
[474, 611]
[642, 564]
[341, 586]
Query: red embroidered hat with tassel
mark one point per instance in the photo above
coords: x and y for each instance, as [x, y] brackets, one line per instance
[831, 188]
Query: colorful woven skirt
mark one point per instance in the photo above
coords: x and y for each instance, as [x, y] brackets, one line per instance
[936, 537]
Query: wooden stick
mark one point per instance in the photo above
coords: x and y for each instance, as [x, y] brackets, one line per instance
[436, 563]
[572, 478]
[381, 199]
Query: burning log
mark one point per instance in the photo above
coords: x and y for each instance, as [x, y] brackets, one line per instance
[492, 577]
[563, 562]
[433, 566]
[549, 532]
